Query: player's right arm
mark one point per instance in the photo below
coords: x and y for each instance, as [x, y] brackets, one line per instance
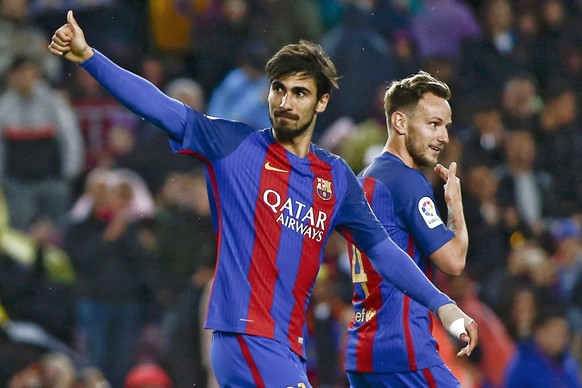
[138, 94]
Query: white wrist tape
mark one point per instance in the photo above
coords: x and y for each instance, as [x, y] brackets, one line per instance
[457, 328]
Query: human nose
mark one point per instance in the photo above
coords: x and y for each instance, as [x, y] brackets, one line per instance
[443, 136]
[285, 101]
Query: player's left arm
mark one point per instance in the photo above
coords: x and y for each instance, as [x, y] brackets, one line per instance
[451, 257]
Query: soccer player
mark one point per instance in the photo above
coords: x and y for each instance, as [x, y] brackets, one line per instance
[275, 198]
[389, 341]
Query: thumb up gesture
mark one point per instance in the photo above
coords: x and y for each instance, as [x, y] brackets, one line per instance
[69, 41]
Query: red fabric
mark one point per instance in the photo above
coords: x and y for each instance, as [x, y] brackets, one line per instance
[147, 375]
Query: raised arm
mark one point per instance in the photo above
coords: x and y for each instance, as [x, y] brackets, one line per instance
[451, 257]
[138, 94]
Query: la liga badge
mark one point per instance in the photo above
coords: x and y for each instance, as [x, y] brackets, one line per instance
[428, 212]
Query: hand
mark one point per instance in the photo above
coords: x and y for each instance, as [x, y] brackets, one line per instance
[452, 182]
[69, 41]
[448, 314]
[115, 229]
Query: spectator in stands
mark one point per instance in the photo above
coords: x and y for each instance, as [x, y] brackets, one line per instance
[353, 45]
[524, 187]
[544, 360]
[497, 347]
[487, 226]
[575, 318]
[559, 33]
[218, 34]
[109, 260]
[567, 256]
[483, 139]
[359, 143]
[241, 95]
[41, 148]
[560, 143]
[184, 226]
[98, 114]
[19, 35]
[528, 281]
[489, 60]
[442, 27]
[520, 102]
[126, 42]
[279, 22]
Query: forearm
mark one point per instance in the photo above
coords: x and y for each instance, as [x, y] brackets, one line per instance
[456, 223]
[397, 268]
[137, 94]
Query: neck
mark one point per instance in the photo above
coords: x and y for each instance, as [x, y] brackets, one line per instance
[399, 150]
[298, 145]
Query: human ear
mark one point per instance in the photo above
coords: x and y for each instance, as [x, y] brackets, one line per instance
[398, 121]
[322, 103]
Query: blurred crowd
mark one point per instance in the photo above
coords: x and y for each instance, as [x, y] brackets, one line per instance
[107, 247]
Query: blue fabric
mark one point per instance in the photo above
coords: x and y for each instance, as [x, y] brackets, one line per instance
[531, 368]
[394, 334]
[441, 375]
[274, 212]
[248, 361]
[110, 331]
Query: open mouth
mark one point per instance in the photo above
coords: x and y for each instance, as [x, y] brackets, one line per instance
[435, 148]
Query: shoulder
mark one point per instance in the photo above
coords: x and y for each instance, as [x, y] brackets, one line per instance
[335, 161]
[397, 177]
[237, 128]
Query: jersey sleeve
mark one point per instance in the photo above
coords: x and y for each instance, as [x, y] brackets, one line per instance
[356, 221]
[189, 130]
[395, 266]
[415, 208]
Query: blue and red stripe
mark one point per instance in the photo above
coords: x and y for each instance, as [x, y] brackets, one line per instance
[310, 254]
[248, 357]
[263, 271]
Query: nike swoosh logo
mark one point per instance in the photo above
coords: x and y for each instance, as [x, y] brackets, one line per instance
[271, 168]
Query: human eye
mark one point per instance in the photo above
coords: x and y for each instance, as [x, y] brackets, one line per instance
[277, 87]
[301, 92]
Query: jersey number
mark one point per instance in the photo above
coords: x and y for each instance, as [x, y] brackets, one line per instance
[358, 272]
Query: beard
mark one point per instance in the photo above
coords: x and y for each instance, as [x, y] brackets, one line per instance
[418, 153]
[285, 132]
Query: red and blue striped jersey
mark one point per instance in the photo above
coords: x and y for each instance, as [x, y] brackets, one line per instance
[390, 331]
[273, 212]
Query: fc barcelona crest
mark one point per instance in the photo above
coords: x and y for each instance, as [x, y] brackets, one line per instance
[323, 189]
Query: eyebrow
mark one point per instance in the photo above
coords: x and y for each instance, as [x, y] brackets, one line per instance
[294, 89]
[440, 120]
[298, 89]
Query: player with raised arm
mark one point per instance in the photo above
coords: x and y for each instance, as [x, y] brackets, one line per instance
[275, 198]
[392, 344]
